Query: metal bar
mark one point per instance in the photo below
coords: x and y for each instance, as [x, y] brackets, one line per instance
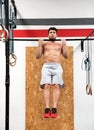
[7, 80]
[0, 9]
[14, 6]
[11, 31]
[82, 46]
[23, 39]
[87, 38]
[89, 35]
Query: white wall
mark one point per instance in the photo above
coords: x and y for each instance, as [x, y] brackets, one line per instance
[83, 103]
[55, 9]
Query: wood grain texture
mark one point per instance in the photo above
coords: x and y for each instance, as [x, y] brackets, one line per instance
[34, 95]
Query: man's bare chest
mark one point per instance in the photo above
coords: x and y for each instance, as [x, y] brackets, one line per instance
[52, 47]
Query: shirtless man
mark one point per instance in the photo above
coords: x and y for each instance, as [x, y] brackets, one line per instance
[51, 70]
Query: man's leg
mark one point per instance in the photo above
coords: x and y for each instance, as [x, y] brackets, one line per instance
[47, 95]
[56, 95]
[47, 100]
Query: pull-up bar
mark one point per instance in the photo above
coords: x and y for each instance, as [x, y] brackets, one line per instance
[28, 39]
[87, 38]
[82, 40]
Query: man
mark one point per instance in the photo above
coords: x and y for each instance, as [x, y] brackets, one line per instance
[51, 70]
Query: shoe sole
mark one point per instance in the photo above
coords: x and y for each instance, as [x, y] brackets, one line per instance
[50, 115]
[47, 116]
[53, 115]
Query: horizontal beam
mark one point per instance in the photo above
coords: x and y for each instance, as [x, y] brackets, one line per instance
[23, 39]
[55, 21]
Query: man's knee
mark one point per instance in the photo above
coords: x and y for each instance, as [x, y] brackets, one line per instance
[56, 86]
[46, 86]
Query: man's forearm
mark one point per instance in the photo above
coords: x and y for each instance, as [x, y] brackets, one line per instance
[39, 52]
[65, 51]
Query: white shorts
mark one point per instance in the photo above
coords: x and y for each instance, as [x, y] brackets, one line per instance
[51, 74]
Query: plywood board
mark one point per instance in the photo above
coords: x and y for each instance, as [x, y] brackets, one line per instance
[34, 95]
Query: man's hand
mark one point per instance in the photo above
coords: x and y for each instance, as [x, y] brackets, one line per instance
[40, 42]
[65, 50]
[40, 49]
[63, 42]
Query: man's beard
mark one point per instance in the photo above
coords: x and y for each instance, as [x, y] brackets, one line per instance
[52, 39]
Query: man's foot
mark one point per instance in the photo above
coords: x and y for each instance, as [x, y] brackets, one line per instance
[54, 113]
[47, 113]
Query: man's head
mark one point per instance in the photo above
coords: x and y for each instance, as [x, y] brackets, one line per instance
[52, 33]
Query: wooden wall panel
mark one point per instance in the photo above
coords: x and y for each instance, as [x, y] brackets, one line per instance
[34, 95]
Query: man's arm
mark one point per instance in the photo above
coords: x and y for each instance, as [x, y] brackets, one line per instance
[64, 50]
[39, 50]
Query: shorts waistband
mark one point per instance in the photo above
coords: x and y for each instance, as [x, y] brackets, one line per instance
[52, 63]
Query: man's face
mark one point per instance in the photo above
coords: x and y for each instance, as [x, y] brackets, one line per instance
[52, 35]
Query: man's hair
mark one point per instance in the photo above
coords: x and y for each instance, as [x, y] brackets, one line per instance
[52, 28]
